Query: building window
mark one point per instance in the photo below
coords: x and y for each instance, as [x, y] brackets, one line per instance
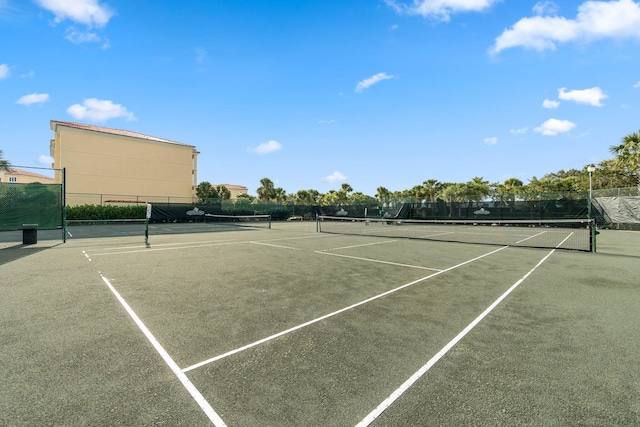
[13, 179]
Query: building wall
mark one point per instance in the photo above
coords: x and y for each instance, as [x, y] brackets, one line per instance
[24, 177]
[121, 165]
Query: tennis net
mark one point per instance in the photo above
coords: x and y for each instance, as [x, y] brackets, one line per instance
[260, 221]
[88, 229]
[576, 234]
[84, 229]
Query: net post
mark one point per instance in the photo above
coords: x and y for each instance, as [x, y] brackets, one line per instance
[592, 234]
[146, 224]
[269, 222]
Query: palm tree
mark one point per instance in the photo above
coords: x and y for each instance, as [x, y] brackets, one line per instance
[432, 187]
[205, 191]
[279, 194]
[223, 192]
[4, 164]
[346, 188]
[382, 194]
[266, 191]
[477, 189]
[628, 154]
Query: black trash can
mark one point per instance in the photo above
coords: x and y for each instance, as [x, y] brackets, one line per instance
[29, 236]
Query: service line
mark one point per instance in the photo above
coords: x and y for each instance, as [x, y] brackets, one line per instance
[326, 316]
[377, 261]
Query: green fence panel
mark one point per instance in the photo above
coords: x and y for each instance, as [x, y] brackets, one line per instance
[30, 204]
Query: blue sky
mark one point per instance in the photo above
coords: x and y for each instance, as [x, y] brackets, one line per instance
[313, 94]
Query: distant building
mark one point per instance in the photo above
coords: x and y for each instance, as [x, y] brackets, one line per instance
[106, 165]
[235, 190]
[19, 176]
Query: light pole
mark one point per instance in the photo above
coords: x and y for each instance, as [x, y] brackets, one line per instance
[592, 234]
[590, 169]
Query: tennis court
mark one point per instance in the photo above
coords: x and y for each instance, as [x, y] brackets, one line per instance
[259, 326]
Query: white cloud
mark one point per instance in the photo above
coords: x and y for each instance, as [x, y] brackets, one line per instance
[637, 85]
[519, 131]
[99, 110]
[79, 37]
[592, 96]
[491, 140]
[4, 71]
[370, 81]
[88, 12]
[45, 160]
[267, 147]
[34, 98]
[334, 177]
[545, 8]
[439, 9]
[553, 127]
[595, 20]
[547, 103]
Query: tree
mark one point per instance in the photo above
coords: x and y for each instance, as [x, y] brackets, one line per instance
[346, 188]
[331, 198]
[508, 191]
[477, 189]
[306, 197]
[432, 188]
[266, 191]
[628, 154]
[223, 192]
[609, 174]
[359, 198]
[246, 198]
[454, 192]
[205, 192]
[4, 164]
[382, 194]
[280, 195]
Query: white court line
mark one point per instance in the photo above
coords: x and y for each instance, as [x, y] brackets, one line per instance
[371, 417]
[190, 245]
[152, 249]
[202, 402]
[377, 261]
[274, 246]
[531, 237]
[436, 235]
[364, 244]
[326, 316]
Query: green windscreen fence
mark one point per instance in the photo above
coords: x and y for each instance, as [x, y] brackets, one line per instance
[35, 205]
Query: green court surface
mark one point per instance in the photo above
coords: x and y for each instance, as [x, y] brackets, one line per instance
[290, 327]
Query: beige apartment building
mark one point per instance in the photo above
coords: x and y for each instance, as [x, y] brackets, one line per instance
[235, 190]
[20, 176]
[116, 166]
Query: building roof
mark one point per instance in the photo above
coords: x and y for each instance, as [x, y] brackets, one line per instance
[119, 132]
[20, 172]
[234, 187]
